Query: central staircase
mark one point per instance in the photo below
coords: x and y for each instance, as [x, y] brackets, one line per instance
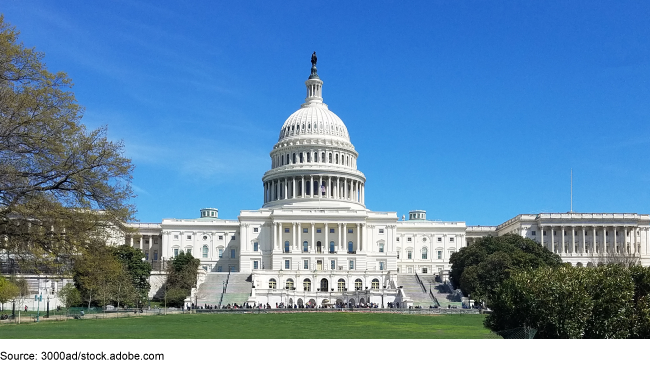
[238, 289]
[414, 291]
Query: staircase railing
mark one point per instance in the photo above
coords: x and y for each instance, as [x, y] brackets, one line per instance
[225, 288]
[424, 289]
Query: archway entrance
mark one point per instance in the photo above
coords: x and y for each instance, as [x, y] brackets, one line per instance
[324, 285]
[299, 302]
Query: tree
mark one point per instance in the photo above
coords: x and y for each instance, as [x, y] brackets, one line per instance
[479, 269]
[62, 188]
[95, 273]
[181, 278]
[137, 272]
[574, 302]
[8, 291]
[69, 296]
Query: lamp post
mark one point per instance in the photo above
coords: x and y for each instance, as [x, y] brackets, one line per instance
[48, 306]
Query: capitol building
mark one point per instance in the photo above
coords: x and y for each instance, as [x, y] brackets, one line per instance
[315, 241]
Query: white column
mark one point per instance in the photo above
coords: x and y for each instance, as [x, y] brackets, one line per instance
[615, 243]
[302, 183]
[363, 193]
[311, 186]
[295, 227]
[584, 241]
[359, 247]
[327, 242]
[285, 189]
[562, 248]
[604, 240]
[293, 187]
[320, 183]
[313, 240]
[552, 240]
[341, 237]
[273, 237]
[338, 192]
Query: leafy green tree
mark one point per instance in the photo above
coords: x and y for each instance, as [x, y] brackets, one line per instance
[181, 278]
[95, 274]
[137, 270]
[8, 291]
[69, 296]
[479, 269]
[570, 302]
[63, 188]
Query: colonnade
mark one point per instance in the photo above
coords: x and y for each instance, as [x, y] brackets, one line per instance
[340, 237]
[594, 239]
[302, 187]
[145, 244]
[314, 156]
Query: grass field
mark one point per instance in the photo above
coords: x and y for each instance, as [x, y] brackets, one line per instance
[272, 325]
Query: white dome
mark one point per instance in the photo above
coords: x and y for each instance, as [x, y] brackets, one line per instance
[314, 120]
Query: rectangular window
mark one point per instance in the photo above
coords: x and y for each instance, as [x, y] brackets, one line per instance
[305, 264]
[409, 255]
[381, 230]
[408, 239]
[381, 265]
[533, 233]
[219, 269]
[176, 237]
[398, 255]
[287, 230]
[221, 237]
[256, 265]
[146, 256]
[220, 252]
[317, 230]
[232, 238]
[256, 246]
[331, 230]
[543, 233]
[451, 239]
[232, 253]
[175, 252]
[333, 264]
[305, 230]
[255, 229]
[287, 264]
[189, 237]
[155, 255]
[351, 264]
[439, 255]
[350, 230]
[439, 239]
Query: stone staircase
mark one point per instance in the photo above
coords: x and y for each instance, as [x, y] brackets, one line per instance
[211, 291]
[439, 291]
[413, 290]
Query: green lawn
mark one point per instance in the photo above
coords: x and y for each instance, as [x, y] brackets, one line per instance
[272, 325]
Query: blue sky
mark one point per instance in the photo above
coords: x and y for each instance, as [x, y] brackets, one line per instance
[473, 110]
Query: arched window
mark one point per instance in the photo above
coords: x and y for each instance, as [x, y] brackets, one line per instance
[358, 284]
[256, 246]
[424, 253]
[272, 284]
[341, 285]
[330, 158]
[288, 159]
[220, 252]
[381, 247]
[308, 156]
[205, 251]
[347, 160]
[301, 157]
[322, 157]
[289, 284]
[375, 284]
[282, 160]
[286, 246]
[315, 156]
[409, 254]
[306, 285]
[337, 159]
[350, 247]
[294, 158]
[305, 246]
[332, 245]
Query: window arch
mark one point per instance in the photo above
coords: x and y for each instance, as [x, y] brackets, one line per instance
[350, 247]
[305, 246]
[289, 284]
[341, 285]
[205, 251]
[358, 284]
[375, 284]
[332, 246]
[286, 246]
[272, 283]
[306, 285]
[424, 253]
